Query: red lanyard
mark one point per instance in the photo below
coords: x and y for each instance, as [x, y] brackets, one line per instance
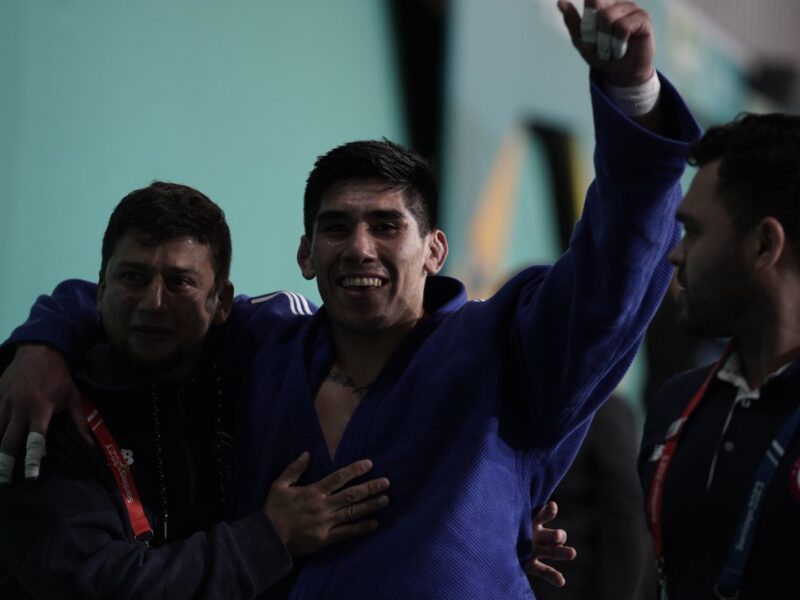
[670, 445]
[122, 473]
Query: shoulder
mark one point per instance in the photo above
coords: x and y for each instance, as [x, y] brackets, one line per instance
[282, 302]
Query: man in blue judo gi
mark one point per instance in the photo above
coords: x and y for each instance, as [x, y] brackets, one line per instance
[473, 410]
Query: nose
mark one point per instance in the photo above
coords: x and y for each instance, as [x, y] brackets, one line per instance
[153, 296]
[360, 245]
[676, 257]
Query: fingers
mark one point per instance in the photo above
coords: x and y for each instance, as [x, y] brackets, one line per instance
[553, 576]
[549, 543]
[558, 552]
[356, 512]
[572, 20]
[357, 493]
[589, 26]
[618, 23]
[10, 446]
[14, 435]
[349, 530]
[6, 467]
[546, 514]
[549, 537]
[604, 29]
[7, 449]
[35, 450]
[601, 33]
[293, 472]
[338, 479]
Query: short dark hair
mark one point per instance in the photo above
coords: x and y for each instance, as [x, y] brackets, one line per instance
[163, 211]
[400, 168]
[759, 171]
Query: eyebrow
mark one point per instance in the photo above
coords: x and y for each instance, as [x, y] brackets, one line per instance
[381, 213]
[130, 264]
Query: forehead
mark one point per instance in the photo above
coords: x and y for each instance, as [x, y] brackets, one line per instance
[703, 194]
[357, 197]
[179, 252]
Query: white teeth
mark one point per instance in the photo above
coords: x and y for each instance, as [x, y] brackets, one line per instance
[362, 282]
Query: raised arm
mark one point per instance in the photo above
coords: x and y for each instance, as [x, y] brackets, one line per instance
[579, 327]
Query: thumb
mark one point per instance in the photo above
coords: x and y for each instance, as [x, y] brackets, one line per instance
[293, 472]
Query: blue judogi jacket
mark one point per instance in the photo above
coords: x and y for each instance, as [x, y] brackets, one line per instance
[482, 408]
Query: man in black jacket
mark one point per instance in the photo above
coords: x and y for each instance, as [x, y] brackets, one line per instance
[141, 512]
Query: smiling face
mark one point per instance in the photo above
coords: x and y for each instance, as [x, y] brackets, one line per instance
[369, 257]
[158, 301]
[716, 283]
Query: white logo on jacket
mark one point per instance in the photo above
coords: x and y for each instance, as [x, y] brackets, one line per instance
[127, 455]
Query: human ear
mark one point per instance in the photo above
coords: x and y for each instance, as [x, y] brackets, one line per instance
[437, 252]
[224, 304]
[304, 258]
[769, 242]
[101, 290]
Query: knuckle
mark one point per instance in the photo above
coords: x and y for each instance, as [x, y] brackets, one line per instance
[338, 479]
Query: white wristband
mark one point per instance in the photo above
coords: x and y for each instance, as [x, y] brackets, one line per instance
[636, 100]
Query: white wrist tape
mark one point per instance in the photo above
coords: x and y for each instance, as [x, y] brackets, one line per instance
[636, 100]
[589, 26]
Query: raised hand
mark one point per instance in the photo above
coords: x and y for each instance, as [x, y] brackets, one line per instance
[311, 517]
[614, 38]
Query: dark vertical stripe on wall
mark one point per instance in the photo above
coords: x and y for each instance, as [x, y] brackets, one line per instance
[419, 27]
[556, 147]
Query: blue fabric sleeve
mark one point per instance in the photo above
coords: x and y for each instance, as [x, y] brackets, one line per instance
[578, 330]
[66, 320]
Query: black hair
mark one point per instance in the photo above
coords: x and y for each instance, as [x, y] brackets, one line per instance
[163, 211]
[383, 160]
[759, 171]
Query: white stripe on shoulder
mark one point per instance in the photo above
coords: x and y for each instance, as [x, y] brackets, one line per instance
[298, 305]
[302, 303]
[264, 298]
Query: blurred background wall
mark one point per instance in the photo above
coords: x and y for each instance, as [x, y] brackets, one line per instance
[100, 97]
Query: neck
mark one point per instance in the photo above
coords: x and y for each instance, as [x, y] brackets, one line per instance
[362, 356]
[766, 346]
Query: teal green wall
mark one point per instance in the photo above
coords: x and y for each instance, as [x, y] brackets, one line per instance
[99, 97]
